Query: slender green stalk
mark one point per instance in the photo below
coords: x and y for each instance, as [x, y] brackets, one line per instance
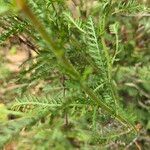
[109, 67]
[72, 72]
[109, 74]
[116, 49]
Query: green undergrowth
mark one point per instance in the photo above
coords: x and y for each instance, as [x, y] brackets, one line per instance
[88, 73]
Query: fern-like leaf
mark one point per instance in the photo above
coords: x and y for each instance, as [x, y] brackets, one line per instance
[93, 45]
[29, 103]
[114, 30]
[76, 23]
[15, 26]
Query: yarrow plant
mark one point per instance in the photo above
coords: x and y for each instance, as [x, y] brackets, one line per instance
[79, 105]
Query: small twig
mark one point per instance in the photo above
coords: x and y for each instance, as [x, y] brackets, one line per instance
[137, 15]
[138, 88]
[64, 95]
[131, 143]
[137, 145]
[143, 106]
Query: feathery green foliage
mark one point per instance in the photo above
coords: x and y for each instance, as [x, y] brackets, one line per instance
[78, 105]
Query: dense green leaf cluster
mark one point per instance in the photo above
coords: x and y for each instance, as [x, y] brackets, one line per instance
[78, 105]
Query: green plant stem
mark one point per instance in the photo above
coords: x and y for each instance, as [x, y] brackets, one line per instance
[117, 48]
[72, 72]
[109, 67]
[109, 74]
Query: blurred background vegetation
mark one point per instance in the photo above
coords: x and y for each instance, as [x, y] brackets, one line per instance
[131, 70]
